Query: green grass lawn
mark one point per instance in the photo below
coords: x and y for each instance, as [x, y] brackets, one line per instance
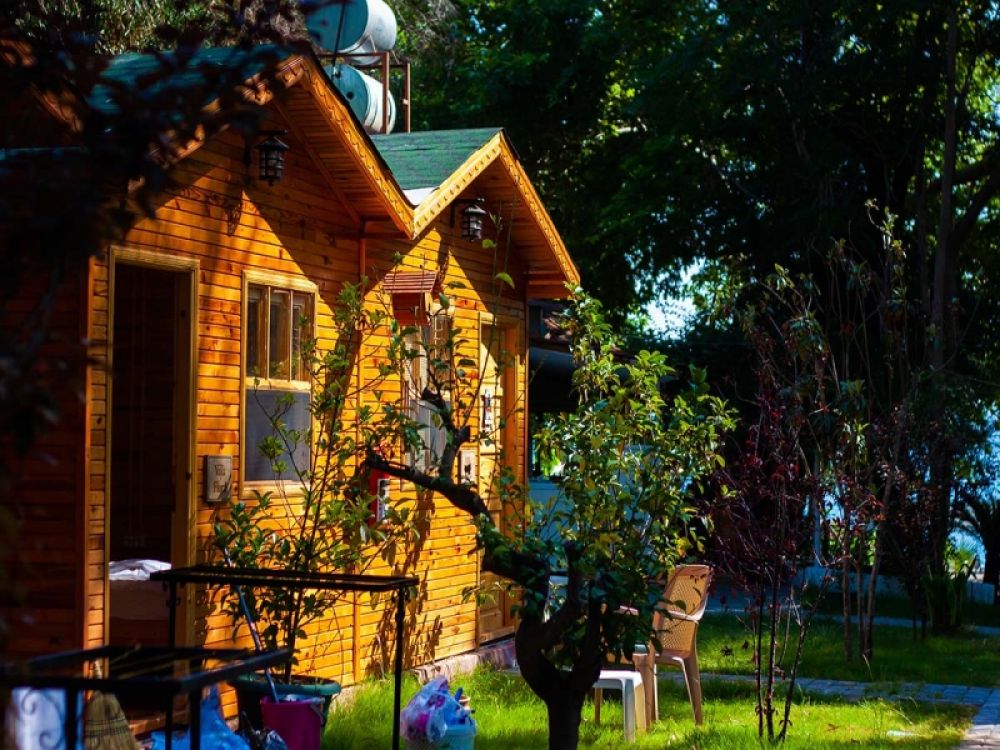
[962, 659]
[973, 613]
[511, 718]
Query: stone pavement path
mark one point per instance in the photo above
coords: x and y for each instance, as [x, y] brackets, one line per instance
[985, 731]
[984, 734]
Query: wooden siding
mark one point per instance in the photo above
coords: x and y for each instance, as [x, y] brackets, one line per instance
[49, 486]
[298, 229]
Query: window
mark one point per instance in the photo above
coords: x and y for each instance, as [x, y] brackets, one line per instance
[432, 367]
[492, 372]
[279, 325]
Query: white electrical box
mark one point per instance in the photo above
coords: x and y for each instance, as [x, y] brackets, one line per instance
[467, 466]
[384, 487]
[218, 478]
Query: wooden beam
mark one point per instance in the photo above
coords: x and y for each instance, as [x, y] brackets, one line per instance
[320, 165]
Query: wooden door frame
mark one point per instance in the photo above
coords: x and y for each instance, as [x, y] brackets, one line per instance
[508, 329]
[184, 526]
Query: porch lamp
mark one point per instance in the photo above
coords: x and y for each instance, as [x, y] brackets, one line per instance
[272, 157]
[472, 220]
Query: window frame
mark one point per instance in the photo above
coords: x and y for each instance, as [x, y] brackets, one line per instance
[248, 382]
[497, 334]
[412, 387]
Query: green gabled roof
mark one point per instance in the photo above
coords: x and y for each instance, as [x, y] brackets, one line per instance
[203, 69]
[426, 159]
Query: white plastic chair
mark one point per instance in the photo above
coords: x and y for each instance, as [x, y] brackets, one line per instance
[634, 699]
[635, 696]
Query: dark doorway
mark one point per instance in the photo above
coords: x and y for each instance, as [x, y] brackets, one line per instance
[149, 444]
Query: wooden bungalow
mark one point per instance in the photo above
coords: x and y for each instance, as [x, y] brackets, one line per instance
[169, 317]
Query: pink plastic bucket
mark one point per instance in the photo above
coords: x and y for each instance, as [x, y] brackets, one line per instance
[300, 723]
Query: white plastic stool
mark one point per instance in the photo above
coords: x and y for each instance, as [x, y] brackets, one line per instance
[633, 699]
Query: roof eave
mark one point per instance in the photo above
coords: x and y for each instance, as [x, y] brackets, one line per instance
[547, 285]
[551, 283]
[361, 149]
[441, 198]
[304, 68]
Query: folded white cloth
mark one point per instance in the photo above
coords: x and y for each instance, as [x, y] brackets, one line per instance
[134, 570]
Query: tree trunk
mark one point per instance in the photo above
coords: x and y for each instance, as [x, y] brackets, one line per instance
[565, 713]
[944, 285]
[562, 690]
[866, 648]
[859, 598]
[942, 477]
[991, 566]
[943, 305]
[845, 594]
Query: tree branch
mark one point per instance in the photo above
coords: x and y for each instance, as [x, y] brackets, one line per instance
[508, 563]
[588, 667]
[462, 497]
[457, 436]
[976, 205]
[552, 631]
[985, 167]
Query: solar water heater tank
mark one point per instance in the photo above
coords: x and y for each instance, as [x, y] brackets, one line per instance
[364, 95]
[355, 27]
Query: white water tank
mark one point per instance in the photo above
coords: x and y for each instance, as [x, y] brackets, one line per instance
[367, 26]
[364, 95]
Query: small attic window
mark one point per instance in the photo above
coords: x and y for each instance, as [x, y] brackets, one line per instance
[412, 295]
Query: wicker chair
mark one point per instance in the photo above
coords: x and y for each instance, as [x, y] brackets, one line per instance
[684, 598]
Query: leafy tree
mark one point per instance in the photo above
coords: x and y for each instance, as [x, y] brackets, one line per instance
[632, 459]
[741, 134]
[321, 519]
[707, 130]
[113, 26]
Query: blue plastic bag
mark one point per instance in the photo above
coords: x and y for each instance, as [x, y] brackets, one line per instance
[215, 733]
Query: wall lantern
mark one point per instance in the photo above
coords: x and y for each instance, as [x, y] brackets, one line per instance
[472, 219]
[271, 151]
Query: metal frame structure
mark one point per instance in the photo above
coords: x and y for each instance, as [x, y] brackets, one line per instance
[217, 575]
[155, 673]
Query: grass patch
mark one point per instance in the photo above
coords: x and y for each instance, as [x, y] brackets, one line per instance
[511, 718]
[973, 613]
[960, 659]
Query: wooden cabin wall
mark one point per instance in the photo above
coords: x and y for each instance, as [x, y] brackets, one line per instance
[49, 482]
[296, 228]
[229, 225]
[442, 621]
